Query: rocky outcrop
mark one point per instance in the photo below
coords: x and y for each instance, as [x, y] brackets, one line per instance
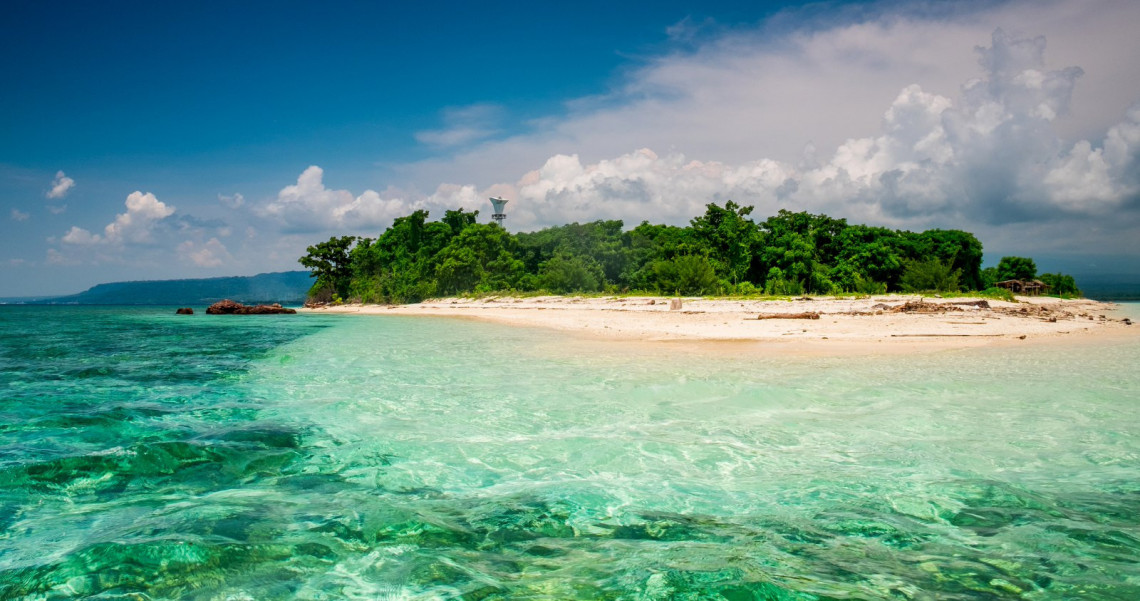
[184, 311]
[229, 307]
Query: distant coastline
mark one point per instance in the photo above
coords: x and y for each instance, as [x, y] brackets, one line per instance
[287, 287]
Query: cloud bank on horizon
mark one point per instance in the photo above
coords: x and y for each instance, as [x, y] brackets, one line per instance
[1007, 152]
[989, 157]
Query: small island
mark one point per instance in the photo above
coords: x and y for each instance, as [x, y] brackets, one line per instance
[794, 279]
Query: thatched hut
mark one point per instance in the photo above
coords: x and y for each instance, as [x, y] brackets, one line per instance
[1030, 287]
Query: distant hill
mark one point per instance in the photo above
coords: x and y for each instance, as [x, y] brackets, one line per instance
[284, 287]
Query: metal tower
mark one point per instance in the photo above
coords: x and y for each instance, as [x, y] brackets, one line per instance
[498, 215]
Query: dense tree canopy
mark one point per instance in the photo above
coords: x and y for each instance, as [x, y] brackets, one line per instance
[1016, 268]
[723, 251]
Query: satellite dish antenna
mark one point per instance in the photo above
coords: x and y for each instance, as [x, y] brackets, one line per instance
[498, 215]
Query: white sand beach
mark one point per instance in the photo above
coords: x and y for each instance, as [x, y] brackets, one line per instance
[821, 325]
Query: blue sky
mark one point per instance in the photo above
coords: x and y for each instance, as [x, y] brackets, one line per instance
[162, 140]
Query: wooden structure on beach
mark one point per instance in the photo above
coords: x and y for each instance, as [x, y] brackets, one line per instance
[1026, 287]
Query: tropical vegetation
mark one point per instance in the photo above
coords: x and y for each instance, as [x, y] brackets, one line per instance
[723, 252]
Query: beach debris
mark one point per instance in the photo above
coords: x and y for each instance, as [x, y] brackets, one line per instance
[980, 304]
[229, 307]
[184, 311]
[674, 304]
[924, 307]
[651, 302]
[1127, 321]
[805, 315]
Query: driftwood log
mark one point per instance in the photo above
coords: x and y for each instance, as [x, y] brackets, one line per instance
[807, 315]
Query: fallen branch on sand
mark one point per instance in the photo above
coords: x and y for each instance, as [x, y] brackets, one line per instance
[808, 315]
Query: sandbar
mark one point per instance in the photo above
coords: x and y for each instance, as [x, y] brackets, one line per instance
[883, 324]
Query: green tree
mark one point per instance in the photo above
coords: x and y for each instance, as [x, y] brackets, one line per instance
[989, 278]
[330, 263]
[459, 219]
[685, 274]
[1016, 268]
[931, 275]
[729, 238]
[604, 242]
[866, 255]
[1061, 284]
[802, 246]
[478, 259]
[961, 250]
[571, 273]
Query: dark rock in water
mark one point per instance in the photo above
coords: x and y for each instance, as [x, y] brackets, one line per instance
[229, 307]
[224, 307]
[184, 311]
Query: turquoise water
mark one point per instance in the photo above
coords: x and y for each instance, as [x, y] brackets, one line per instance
[145, 455]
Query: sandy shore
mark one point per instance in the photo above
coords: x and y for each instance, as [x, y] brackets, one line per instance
[880, 324]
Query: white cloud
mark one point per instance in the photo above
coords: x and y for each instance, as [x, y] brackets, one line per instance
[143, 211]
[211, 253]
[234, 201]
[60, 185]
[57, 210]
[993, 150]
[991, 156]
[134, 226]
[308, 206]
[18, 215]
[1002, 147]
[80, 237]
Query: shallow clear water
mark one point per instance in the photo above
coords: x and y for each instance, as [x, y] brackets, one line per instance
[331, 457]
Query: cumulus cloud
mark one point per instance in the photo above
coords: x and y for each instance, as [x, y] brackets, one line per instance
[308, 206]
[211, 253]
[986, 156]
[889, 119]
[18, 215]
[881, 114]
[989, 154]
[134, 226]
[80, 237]
[60, 185]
